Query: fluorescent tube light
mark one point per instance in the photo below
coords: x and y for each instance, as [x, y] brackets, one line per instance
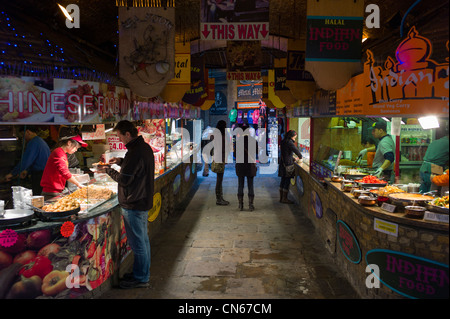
[428, 122]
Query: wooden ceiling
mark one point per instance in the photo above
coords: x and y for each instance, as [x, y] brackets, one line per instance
[96, 41]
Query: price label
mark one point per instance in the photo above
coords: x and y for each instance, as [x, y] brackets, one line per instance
[436, 217]
[388, 207]
[115, 144]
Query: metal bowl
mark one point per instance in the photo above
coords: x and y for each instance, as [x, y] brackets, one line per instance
[367, 200]
[358, 192]
[415, 211]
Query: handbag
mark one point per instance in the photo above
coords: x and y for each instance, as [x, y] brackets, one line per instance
[290, 169]
[218, 167]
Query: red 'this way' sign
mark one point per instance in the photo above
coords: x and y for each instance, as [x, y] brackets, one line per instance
[250, 31]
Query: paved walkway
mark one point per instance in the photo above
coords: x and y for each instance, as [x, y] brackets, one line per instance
[217, 252]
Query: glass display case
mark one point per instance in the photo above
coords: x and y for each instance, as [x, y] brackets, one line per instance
[153, 132]
[174, 143]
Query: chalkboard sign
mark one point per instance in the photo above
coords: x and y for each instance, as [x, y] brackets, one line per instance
[409, 275]
[348, 242]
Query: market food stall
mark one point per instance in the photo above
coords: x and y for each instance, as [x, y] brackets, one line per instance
[71, 245]
[382, 233]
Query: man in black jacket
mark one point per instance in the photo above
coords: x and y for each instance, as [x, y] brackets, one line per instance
[135, 193]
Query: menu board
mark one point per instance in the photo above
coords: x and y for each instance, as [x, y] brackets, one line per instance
[350, 99]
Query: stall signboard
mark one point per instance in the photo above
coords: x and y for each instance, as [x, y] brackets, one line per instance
[332, 39]
[114, 143]
[406, 85]
[296, 67]
[33, 100]
[234, 20]
[348, 243]
[408, 275]
[350, 99]
[319, 172]
[409, 85]
[324, 103]
[249, 92]
[98, 134]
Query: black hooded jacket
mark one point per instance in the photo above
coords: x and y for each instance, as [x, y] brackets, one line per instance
[136, 177]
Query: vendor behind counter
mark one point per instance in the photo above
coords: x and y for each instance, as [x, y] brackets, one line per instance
[437, 154]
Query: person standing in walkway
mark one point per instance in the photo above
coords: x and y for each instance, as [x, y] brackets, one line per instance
[135, 194]
[33, 159]
[218, 164]
[286, 168]
[245, 166]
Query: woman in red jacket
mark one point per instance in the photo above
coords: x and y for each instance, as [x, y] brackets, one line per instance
[56, 172]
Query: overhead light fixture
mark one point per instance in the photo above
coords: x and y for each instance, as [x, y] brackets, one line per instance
[429, 122]
[65, 12]
[386, 119]
[364, 39]
[8, 138]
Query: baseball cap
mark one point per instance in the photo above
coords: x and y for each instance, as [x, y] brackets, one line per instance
[79, 140]
[380, 125]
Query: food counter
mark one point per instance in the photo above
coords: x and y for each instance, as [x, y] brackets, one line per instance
[37, 255]
[362, 239]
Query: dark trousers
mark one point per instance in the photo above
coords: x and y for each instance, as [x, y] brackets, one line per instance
[284, 184]
[241, 180]
[219, 181]
[36, 177]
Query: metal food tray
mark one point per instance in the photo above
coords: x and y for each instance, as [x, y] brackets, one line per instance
[16, 216]
[372, 184]
[437, 209]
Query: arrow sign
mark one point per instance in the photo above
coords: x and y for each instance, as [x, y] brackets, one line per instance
[264, 32]
[205, 31]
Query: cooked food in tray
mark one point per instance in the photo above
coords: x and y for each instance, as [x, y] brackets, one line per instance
[440, 201]
[385, 191]
[92, 192]
[410, 197]
[62, 205]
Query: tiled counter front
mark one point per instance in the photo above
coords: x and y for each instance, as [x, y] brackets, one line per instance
[408, 258]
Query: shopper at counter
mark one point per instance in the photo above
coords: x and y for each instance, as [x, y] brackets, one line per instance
[56, 172]
[135, 194]
[437, 154]
[383, 161]
[288, 148]
[33, 160]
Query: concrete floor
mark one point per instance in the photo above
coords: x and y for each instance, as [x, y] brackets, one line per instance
[218, 252]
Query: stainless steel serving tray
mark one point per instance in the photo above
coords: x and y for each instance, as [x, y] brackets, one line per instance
[16, 216]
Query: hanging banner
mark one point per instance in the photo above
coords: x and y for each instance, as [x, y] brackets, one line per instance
[198, 86]
[407, 85]
[244, 60]
[274, 99]
[350, 100]
[299, 81]
[177, 87]
[241, 20]
[281, 90]
[31, 100]
[333, 42]
[146, 48]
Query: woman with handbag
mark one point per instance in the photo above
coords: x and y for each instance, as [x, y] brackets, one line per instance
[286, 168]
[218, 167]
[245, 166]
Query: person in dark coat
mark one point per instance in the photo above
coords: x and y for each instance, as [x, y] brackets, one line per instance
[245, 165]
[288, 148]
[135, 194]
[220, 168]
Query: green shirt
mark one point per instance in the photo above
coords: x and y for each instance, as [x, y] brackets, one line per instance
[233, 115]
